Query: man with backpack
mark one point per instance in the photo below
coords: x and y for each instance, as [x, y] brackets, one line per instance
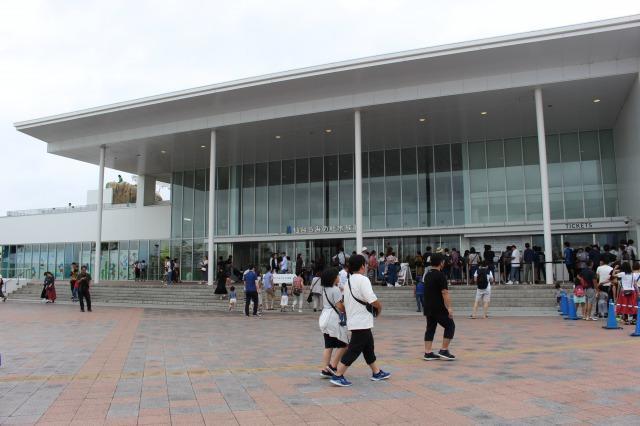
[483, 279]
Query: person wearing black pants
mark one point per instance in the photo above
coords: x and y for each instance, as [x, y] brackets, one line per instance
[358, 296]
[250, 291]
[84, 279]
[438, 310]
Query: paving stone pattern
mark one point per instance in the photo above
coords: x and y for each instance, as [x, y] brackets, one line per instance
[134, 366]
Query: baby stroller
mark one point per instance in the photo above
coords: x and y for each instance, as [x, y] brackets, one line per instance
[404, 276]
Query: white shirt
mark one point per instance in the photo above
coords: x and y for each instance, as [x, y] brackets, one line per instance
[515, 257]
[358, 318]
[283, 265]
[628, 280]
[604, 271]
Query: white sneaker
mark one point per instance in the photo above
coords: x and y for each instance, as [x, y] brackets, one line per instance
[389, 285]
[509, 282]
[398, 285]
[300, 310]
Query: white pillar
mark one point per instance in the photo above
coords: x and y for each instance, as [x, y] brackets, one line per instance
[212, 193]
[96, 264]
[544, 185]
[358, 182]
[145, 191]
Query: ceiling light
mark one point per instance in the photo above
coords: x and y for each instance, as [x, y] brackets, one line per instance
[203, 146]
[596, 100]
[187, 219]
[483, 113]
[278, 136]
[422, 119]
[163, 152]
[328, 130]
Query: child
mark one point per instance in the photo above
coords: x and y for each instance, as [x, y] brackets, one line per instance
[579, 297]
[232, 298]
[559, 292]
[284, 298]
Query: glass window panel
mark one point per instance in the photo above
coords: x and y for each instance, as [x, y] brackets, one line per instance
[274, 197]
[262, 199]
[495, 154]
[393, 188]
[302, 192]
[346, 190]
[530, 152]
[176, 204]
[123, 260]
[409, 188]
[611, 203]
[222, 201]
[444, 211]
[457, 184]
[478, 181]
[112, 260]
[68, 259]
[569, 147]
[608, 157]
[134, 255]
[248, 194]
[187, 209]
[200, 200]
[534, 206]
[573, 205]
[425, 185]
[186, 261]
[377, 189]
[497, 209]
[593, 204]
[513, 152]
[235, 183]
[288, 188]
[477, 156]
[331, 207]
[556, 205]
[316, 190]
[553, 148]
[515, 204]
[496, 179]
[365, 191]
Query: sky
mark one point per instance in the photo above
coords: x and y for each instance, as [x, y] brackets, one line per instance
[58, 56]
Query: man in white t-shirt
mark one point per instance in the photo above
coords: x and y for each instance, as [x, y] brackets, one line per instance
[604, 286]
[359, 294]
[514, 274]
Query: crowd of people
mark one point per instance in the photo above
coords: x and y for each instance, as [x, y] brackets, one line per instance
[79, 283]
[603, 277]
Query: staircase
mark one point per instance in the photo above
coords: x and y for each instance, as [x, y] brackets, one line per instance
[508, 300]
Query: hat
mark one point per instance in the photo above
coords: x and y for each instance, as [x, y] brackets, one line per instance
[439, 250]
[364, 249]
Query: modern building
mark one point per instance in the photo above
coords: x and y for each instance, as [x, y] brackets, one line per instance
[530, 137]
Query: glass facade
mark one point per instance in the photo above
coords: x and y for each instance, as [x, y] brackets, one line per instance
[479, 182]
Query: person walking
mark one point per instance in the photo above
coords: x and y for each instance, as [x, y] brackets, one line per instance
[50, 294]
[360, 304]
[626, 303]
[528, 258]
[3, 295]
[331, 322]
[317, 291]
[483, 279]
[221, 284]
[73, 279]
[473, 262]
[267, 282]
[299, 264]
[84, 282]
[438, 310]
[143, 270]
[297, 290]
[136, 270]
[418, 292]
[284, 264]
[514, 273]
[250, 291]
[204, 270]
[567, 255]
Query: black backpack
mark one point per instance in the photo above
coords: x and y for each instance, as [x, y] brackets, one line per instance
[483, 280]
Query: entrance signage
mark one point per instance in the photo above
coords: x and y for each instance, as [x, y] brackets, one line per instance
[283, 278]
[321, 229]
[579, 225]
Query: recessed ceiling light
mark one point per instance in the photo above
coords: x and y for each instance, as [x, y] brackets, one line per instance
[483, 113]
[596, 100]
[328, 130]
[278, 136]
[138, 155]
[203, 146]
[422, 119]
[163, 152]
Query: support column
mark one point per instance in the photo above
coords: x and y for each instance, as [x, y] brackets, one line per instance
[99, 202]
[358, 182]
[211, 216]
[146, 191]
[544, 185]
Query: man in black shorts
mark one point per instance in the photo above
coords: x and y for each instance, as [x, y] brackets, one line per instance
[438, 310]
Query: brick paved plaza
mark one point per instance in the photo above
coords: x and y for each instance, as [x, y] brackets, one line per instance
[134, 366]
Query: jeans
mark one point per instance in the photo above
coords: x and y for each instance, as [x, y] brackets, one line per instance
[528, 273]
[514, 273]
[420, 302]
[84, 294]
[74, 290]
[251, 296]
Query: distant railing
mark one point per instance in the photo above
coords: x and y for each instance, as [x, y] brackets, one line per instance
[73, 209]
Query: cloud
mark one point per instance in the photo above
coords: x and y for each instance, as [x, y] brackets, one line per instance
[66, 55]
